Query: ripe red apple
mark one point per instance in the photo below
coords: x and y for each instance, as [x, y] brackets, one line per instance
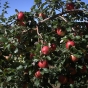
[72, 71]
[20, 16]
[70, 6]
[38, 74]
[60, 32]
[45, 50]
[42, 15]
[73, 58]
[43, 64]
[70, 43]
[53, 47]
[62, 79]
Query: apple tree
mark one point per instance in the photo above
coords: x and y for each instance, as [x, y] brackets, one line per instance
[46, 47]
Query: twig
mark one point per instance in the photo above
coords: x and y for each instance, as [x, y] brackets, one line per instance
[38, 32]
[63, 18]
[66, 21]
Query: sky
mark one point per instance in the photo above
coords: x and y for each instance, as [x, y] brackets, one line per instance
[21, 5]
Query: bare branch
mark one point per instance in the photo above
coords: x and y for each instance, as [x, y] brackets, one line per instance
[60, 14]
[40, 36]
[63, 18]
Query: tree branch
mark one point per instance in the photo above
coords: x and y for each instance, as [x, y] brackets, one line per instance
[60, 14]
[40, 36]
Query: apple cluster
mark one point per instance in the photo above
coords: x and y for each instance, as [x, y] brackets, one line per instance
[52, 51]
[70, 59]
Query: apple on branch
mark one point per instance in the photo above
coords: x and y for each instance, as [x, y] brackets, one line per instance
[38, 74]
[43, 63]
[20, 16]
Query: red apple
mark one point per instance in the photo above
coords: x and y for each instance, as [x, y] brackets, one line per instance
[53, 47]
[43, 64]
[20, 16]
[38, 74]
[62, 79]
[70, 43]
[45, 50]
[73, 58]
[60, 32]
[70, 6]
[42, 15]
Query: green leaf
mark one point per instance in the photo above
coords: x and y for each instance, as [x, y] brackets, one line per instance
[86, 36]
[33, 7]
[42, 72]
[77, 37]
[16, 50]
[3, 39]
[68, 29]
[37, 83]
[43, 5]
[82, 3]
[78, 56]
[3, 20]
[0, 70]
[19, 67]
[83, 40]
[70, 23]
[48, 57]
[45, 70]
[9, 78]
[37, 1]
[71, 86]
[30, 72]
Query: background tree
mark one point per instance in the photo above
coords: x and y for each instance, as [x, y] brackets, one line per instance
[46, 47]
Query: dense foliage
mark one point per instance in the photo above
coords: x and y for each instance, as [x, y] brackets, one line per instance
[46, 47]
